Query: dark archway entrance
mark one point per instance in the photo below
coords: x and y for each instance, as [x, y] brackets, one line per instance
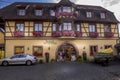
[66, 50]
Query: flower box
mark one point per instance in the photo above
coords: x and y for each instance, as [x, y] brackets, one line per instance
[37, 33]
[68, 33]
[18, 33]
[93, 34]
[109, 34]
[56, 34]
[78, 33]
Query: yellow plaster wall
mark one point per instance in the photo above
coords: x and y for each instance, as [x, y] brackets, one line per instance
[1, 38]
[79, 44]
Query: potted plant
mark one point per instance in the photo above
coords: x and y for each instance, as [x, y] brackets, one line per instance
[93, 34]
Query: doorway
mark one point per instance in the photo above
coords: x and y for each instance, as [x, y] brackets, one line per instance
[66, 50]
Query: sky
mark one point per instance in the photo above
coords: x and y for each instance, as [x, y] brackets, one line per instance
[112, 5]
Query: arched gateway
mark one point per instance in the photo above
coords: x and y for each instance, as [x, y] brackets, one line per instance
[67, 49]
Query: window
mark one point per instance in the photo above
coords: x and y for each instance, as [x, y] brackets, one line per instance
[60, 27]
[54, 27]
[67, 26]
[38, 12]
[92, 28]
[19, 49]
[78, 27]
[21, 12]
[66, 9]
[102, 15]
[19, 27]
[38, 27]
[107, 46]
[38, 51]
[59, 9]
[52, 12]
[2, 52]
[93, 50]
[88, 14]
[107, 28]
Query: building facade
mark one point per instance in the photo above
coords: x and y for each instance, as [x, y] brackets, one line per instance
[40, 28]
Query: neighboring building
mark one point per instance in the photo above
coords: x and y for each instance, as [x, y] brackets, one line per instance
[37, 28]
[2, 44]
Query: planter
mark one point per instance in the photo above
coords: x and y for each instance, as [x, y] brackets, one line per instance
[56, 34]
[109, 34]
[18, 33]
[78, 33]
[38, 33]
[93, 34]
[68, 33]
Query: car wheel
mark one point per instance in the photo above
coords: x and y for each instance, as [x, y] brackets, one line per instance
[4, 63]
[28, 63]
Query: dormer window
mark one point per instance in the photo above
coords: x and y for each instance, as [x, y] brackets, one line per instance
[66, 9]
[52, 13]
[38, 12]
[21, 12]
[102, 15]
[88, 14]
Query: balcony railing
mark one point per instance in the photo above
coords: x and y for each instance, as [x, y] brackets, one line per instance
[109, 34]
[38, 33]
[18, 33]
[93, 34]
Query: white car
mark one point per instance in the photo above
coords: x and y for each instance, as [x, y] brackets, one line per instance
[19, 59]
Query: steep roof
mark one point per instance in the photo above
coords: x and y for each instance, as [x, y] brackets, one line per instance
[10, 12]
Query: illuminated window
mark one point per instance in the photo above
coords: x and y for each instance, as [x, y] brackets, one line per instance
[19, 49]
[38, 51]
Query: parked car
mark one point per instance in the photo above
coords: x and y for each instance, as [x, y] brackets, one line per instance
[19, 59]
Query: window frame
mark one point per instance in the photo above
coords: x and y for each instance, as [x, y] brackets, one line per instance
[38, 12]
[34, 51]
[21, 12]
[106, 29]
[89, 14]
[92, 30]
[53, 13]
[19, 23]
[18, 47]
[103, 15]
[67, 26]
[92, 52]
[38, 27]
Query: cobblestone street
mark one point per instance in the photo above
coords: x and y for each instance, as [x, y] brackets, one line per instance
[61, 71]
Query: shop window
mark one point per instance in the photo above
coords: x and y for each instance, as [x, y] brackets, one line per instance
[21, 12]
[38, 51]
[107, 46]
[19, 49]
[93, 50]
